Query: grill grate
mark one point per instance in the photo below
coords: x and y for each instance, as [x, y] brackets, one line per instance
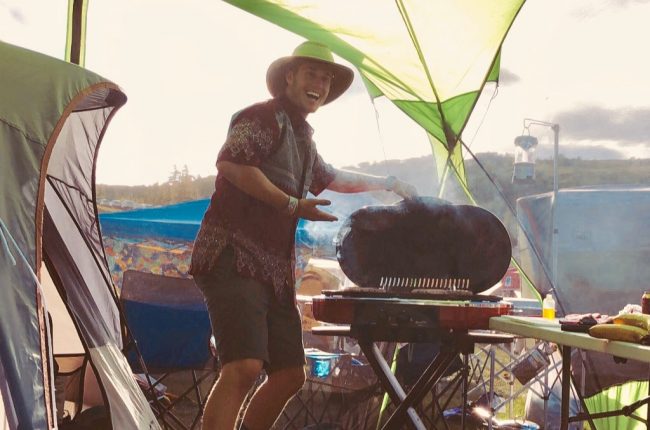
[405, 283]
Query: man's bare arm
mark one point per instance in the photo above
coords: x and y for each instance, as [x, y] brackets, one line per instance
[347, 181]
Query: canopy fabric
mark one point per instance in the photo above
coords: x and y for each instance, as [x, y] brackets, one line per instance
[430, 58]
[52, 118]
[615, 398]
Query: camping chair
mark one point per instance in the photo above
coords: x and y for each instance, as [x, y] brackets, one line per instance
[171, 331]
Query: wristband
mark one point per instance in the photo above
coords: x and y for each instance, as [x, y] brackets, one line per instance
[390, 182]
[292, 206]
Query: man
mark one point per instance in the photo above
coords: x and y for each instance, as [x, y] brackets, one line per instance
[243, 257]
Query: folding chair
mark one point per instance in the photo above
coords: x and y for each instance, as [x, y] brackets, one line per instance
[170, 327]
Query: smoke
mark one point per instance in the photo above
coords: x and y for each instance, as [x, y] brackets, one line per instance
[626, 126]
[322, 234]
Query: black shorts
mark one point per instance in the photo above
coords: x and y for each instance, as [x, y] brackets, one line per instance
[247, 319]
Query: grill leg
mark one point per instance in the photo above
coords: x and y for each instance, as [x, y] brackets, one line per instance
[464, 388]
[389, 382]
[429, 378]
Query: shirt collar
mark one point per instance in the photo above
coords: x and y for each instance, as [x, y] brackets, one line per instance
[298, 122]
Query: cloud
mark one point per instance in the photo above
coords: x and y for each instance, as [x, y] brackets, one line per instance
[597, 8]
[624, 3]
[627, 126]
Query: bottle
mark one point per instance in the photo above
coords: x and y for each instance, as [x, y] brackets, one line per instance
[645, 302]
[548, 307]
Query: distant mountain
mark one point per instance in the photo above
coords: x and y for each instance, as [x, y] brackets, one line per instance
[421, 172]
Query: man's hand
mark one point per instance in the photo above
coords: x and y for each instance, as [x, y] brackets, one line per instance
[307, 209]
[403, 189]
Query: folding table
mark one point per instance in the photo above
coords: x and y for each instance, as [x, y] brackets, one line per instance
[550, 330]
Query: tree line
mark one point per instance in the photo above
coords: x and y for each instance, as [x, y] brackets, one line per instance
[182, 185]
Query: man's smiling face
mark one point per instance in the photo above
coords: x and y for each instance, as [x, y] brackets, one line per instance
[308, 85]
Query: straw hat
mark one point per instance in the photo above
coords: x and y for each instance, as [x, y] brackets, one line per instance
[275, 75]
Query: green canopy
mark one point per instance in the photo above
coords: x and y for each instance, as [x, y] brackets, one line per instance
[430, 58]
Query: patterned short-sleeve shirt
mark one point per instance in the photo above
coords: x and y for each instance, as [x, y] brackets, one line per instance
[275, 138]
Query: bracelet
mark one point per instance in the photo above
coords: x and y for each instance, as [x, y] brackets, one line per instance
[292, 206]
[390, 182]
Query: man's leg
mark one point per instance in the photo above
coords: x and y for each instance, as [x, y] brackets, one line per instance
[228, 394]
[238, 309]
[286, 366]
[272, 396]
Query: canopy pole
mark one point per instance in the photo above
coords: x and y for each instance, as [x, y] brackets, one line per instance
[75, 46]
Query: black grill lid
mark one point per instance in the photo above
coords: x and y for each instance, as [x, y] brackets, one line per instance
[424, 237]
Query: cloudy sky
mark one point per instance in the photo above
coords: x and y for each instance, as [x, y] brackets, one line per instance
[186, 66]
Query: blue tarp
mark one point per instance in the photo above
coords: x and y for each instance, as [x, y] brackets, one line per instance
[181, 221]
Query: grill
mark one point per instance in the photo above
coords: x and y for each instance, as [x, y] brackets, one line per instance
[421, 267]
[420, 263]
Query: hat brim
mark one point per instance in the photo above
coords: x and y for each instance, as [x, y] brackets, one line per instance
[276, 82]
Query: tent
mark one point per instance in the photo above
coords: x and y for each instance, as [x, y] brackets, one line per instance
[600, 258]
[600, 255]
[53, 116]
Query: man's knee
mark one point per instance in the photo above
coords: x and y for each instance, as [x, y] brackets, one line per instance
[291, 379]
[243, 373]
